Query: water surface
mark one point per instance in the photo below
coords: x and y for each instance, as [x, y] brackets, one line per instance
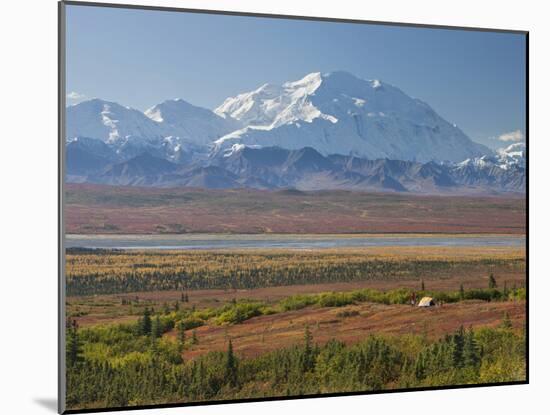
[214, 241]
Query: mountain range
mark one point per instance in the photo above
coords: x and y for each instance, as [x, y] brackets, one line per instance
[324, 131]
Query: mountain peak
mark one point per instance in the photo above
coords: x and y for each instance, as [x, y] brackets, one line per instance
[272, 106]
[170, 105]
[110, 122]
[188, 122]
[99, 103]
[339, 113]
[308, 83]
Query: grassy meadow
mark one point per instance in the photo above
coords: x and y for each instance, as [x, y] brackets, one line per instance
[101, 209]
[182, 326]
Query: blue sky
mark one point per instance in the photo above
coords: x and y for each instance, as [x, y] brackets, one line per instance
[140, 58]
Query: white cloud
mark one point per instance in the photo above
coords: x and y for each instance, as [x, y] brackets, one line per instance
[75, 96]
[513, 136]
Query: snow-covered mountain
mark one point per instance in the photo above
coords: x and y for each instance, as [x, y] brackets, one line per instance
[513, 155]
[111, 123]
[201, 126]
[505, 158]
[338, 113]
[324, 131]
[272, 106]
[173, 129]
[334, 113]
[504, 170]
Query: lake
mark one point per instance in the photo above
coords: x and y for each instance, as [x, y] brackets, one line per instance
[216, 241]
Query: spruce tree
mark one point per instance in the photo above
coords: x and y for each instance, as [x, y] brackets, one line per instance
[156, 329]
[144, 324]
[461, 292]
[471, 350]
[230, 366]
[458, 348]
[422, 287]
[73, 346]
[308, 350]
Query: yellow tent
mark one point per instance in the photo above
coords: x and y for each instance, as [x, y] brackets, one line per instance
[426, 302]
